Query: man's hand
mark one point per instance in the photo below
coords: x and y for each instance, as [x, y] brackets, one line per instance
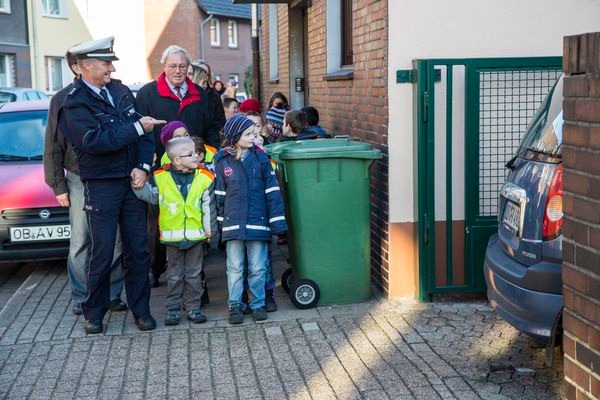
[63, 200]
[138, 178]
[148, 123]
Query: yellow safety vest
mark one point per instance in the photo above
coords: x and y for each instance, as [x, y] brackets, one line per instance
[180, 220]
[209, 156]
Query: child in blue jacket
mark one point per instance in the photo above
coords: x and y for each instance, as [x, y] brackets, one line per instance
[249, 211]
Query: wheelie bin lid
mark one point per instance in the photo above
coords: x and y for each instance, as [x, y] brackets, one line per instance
[322, 148]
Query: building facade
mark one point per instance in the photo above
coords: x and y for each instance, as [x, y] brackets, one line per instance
[581, 244]
[214, 30]
[363, 65]
[54, 26]
[15, 63]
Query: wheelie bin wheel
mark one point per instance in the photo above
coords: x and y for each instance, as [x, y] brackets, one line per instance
[287, 280]
[305, 293]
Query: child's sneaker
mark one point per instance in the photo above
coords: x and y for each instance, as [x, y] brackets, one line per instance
[260, 314]
[196, 316]
[270, 304]
[173, 317]
[235, 316]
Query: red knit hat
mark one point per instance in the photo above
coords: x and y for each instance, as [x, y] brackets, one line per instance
[250, 105]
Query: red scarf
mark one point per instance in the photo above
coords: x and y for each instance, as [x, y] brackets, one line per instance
[164, 90]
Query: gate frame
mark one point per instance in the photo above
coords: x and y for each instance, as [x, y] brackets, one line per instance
[424, 78]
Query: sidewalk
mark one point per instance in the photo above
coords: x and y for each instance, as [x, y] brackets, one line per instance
[376, 350]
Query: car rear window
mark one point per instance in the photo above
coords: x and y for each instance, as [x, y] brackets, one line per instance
[544, 133]
[6, 97]
[22, 135]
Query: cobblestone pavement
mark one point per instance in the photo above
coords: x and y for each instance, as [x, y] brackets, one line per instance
[376, 350]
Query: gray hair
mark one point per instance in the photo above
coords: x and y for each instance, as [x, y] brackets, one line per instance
[176, 146]
[175, 49]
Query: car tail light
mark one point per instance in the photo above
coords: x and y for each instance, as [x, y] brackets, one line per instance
[553, 214]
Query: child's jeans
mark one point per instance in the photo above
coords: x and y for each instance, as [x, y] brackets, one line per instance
[257, 260]
[269, 278]
[183, 273]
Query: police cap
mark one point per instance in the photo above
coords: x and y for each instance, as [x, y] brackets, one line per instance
[101, 49]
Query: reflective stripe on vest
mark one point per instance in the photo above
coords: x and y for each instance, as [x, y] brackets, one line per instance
[179, 220]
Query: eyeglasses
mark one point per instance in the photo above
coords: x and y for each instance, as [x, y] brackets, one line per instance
[175, 66]
[192, 154]
[277, 103]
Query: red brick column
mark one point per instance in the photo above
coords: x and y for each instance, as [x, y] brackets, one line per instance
[581, 244]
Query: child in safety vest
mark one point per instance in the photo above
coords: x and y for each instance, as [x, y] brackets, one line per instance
[187, 218]
[179, 129]
[250, 210]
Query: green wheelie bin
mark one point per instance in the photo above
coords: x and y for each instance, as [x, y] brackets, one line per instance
[326, 189]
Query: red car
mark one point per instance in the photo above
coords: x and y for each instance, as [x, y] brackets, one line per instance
[32, 224]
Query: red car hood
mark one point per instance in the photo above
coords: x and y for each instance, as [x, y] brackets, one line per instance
[22, 186]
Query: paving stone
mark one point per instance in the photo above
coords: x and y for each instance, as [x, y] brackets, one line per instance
[310, 326]
[273, 331]
[378, 349]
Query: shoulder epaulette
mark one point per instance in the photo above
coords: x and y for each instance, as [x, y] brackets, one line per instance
[73, 90]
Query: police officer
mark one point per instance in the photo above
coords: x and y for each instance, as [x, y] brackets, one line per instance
[114, 153]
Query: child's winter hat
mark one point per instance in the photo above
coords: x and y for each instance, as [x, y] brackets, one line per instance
[275, 117]
[166, 133]
[234, 127]
[250, 105]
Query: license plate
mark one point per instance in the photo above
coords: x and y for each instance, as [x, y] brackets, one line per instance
[512, 217]
[40, 233]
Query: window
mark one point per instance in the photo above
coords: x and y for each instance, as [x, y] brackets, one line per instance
[346, 12]
[54, 8]
[339, 36]
[54, 73]
[7, 68]
[273, 43]
[234, 80]
[215, 32]
[232, 33]
[5, 6]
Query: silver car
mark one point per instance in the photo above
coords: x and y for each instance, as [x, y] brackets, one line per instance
[12, 94]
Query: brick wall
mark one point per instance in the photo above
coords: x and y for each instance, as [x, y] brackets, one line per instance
[180, 27]
[225, 60]
[581, 244]
[22, 65]
[358, 107]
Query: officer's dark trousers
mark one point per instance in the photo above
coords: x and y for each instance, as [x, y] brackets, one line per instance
[109, 203]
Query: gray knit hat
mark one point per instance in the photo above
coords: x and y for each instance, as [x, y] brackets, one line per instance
[234, 127]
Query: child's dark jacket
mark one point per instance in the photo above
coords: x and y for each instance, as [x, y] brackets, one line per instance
[249, 202]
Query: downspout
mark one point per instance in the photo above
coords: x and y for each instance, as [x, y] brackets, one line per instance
[210, 16]
[35, 62]
[255, 54]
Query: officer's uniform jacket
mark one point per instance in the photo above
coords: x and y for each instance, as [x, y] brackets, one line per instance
[249, 202]
[107, 144]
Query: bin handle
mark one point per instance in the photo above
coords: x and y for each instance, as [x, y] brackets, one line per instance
[351, 138]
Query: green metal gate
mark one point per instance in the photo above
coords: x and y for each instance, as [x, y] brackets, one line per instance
[470, 115]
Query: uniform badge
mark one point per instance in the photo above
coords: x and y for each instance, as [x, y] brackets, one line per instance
[228, 171]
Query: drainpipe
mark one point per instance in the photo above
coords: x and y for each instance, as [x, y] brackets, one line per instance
[255, 54]
[35, 51]
[210, 16]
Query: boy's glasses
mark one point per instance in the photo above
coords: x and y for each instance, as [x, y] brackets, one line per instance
[192, 154]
